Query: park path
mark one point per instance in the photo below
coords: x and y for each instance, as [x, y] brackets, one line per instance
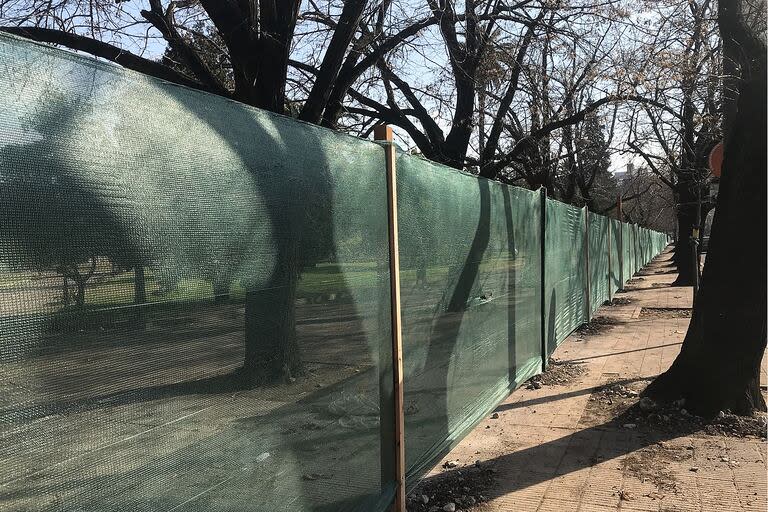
[554, 449]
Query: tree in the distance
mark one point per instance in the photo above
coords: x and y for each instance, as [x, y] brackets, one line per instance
[647, 201]
[718, 367]
[586, 180]
[680, 65]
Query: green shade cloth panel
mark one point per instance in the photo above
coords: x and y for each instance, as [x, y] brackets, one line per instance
[599, 263]
[565, 273]
[223, 332]
[470, 275]
[615, 255]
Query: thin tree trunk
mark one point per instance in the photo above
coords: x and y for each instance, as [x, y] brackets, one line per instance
[139, 296]
[65, 292]
[139, 285]
[80, 295]
[271, 348]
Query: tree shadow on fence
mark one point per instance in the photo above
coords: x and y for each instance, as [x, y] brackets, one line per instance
[443, 336]
[473, 359]
[512, 365]
[260, 214]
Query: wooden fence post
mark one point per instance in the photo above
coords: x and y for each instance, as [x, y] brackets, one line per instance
[587, 284]
[383, 133]
[610, 263]
[543, 284]
[620, 250]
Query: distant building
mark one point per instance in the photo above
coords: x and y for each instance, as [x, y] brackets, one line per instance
[624, 175]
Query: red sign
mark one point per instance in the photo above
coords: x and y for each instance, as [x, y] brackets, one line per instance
[716, 159]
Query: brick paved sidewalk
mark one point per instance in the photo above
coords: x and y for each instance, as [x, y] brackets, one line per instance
[550, 452]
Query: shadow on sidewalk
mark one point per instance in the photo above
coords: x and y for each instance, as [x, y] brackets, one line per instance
[562, 396]
[579, 450]
[576, 359]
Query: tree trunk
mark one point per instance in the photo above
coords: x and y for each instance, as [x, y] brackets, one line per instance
[312, 112]
[65, 292]
[271, 348]
[139, 296]
[271, 345]
[139, 285]
[221, 286]
[719, 363]
[686, 220]
[80, 295]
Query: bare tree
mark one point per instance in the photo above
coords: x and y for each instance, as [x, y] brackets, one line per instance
[718, 367]
[678, 63]
[254, 41]
[646, 200]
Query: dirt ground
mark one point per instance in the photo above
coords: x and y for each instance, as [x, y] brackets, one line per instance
[597, 325]
[557, 373]
[665, 313]
[590, 443]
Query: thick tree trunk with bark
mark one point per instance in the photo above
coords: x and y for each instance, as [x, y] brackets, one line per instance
[718, 366]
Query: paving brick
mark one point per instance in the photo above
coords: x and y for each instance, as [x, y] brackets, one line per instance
[557, 505]
[591, 507]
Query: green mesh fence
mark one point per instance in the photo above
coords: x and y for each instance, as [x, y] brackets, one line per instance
[471, 257]
[194, 298]
[599, 261]
[648, 244]
[615, 255]
[633, 248]
[635, 257]
[626, 253]
[193, 312]
[565, 273]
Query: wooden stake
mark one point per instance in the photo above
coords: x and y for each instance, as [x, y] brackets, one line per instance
[587, 284]
[383, 133]
[610, 263]
[543, 280]
[621, 245]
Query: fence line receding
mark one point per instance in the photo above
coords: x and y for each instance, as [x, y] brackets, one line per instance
[195, 298]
